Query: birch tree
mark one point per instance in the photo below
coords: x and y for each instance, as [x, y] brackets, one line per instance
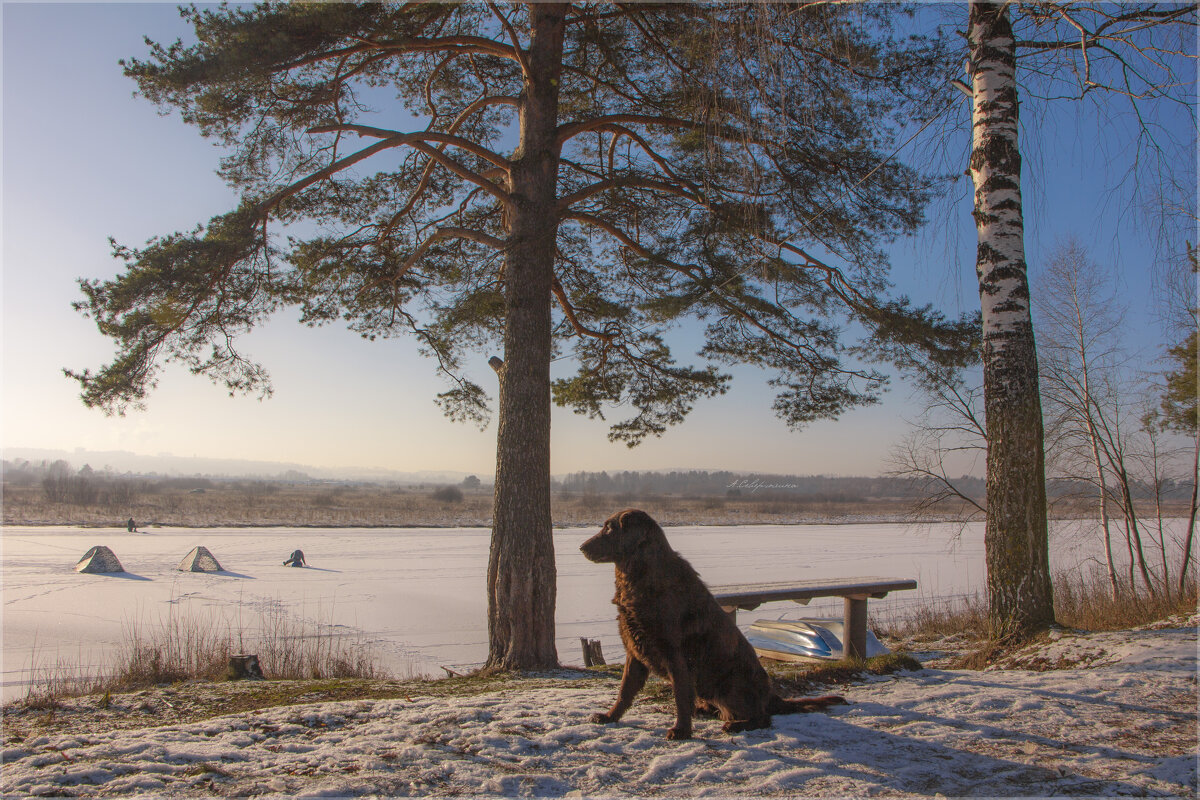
[1020, 597]
[1129, 51]
[1093, 392]
[1078, 316]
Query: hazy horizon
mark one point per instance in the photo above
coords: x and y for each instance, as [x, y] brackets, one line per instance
[120, 460]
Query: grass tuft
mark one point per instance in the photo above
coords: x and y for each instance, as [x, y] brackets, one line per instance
[798, 677]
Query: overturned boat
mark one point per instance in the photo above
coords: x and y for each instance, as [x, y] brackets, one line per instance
[804, 639]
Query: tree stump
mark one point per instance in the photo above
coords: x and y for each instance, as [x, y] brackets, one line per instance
[593, 656]
[244, 667]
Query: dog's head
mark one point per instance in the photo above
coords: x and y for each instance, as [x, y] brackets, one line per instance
[624, 535]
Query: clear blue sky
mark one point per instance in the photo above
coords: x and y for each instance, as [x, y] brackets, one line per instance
[83, 160]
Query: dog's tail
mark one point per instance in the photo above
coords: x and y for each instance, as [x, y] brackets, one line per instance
[779, 705]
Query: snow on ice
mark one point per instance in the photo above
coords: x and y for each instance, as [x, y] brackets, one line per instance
[416, 595]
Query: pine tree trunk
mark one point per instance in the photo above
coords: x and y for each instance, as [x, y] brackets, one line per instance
[1020, 599]
[521, 572]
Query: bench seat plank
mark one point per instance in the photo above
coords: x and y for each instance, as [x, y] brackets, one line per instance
[752, 595]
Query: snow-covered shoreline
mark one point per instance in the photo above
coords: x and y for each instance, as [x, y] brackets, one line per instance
[1096, 714]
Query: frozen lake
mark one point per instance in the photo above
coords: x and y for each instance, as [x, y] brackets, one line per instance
[417, 595]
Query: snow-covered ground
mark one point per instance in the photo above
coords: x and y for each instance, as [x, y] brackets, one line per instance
[1120, 721]
[417, 595]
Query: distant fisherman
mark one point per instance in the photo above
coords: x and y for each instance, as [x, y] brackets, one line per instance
[129, 526]
[296, 559]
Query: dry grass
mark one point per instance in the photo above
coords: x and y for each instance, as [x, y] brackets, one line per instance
[938, 619]
[1082, 601]
[50, 682]
[794, 678]
[288, 505]
[184, 646]
[1086, 602]
[264, 503]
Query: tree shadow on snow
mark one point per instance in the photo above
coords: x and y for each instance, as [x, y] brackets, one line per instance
[906, 762]
[1074, 697]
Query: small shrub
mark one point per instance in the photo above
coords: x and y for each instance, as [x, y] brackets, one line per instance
[448, 494]
[327, 499]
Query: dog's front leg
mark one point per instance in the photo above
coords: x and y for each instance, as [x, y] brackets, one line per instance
[632, 681]
[685, 698]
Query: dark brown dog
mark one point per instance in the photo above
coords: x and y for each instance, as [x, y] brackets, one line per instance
[672, 626]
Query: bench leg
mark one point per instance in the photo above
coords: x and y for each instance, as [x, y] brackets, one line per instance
[854, 625]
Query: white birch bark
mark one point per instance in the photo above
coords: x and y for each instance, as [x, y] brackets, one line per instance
[1020, 599]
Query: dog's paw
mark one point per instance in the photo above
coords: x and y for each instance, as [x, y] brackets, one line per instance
[676, 733]
[743, 725]
[601, 719]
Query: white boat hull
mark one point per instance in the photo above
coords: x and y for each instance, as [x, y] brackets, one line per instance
[804, 640]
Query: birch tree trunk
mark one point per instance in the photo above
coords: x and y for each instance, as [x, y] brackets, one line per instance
[1020, 599]
[1114, 587]
[1132, 524]
[521, 573]
[1191, 528]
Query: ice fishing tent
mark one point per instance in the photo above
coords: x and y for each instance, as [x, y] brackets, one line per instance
[99, 559]
[199, 560]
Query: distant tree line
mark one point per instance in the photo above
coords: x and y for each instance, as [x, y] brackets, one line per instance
[61, 483]
[829, 488]
[734, 484]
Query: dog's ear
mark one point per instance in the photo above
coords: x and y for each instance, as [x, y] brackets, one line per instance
[638, 529]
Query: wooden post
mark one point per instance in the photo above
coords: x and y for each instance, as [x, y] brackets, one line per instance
[593, 656]
[244, 666]
[854, 627]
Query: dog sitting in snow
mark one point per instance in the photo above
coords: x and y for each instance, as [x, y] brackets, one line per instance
[672, 626]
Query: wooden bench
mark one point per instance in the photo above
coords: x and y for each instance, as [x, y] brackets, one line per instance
[855, 591]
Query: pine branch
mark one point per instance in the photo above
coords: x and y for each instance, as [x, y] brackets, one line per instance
[397, 138]
[573, 129]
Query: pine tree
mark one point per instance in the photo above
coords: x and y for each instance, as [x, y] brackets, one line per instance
[574, 176]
